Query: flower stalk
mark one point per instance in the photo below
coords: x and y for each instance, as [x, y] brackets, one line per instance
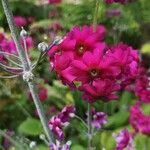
[96, 14]
[89, 121]
[27, 70]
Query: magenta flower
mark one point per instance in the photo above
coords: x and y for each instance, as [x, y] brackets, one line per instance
[98, 119]
[142, 86]
[54, 1]
[139, 121]
[20, 21]
[92, 66]
[61, 120]
[102, 89]
[67, 113]
[124, 140]
[12, 46]
[113, 13]
[55, 26]
[117, 1]
[6, 142]
[55, 126]
[58, 146]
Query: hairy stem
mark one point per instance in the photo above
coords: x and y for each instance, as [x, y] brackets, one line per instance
[26, 67]
[96, 14]
[89, 128]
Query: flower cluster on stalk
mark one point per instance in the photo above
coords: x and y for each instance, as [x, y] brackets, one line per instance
[139, 121]
[98, 119]
[62, 119]
[84, 61]
[124, 140]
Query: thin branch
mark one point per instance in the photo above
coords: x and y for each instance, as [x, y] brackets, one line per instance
[13, 62]
[8, 77]
[11, 71]
[9, 54]
[9, 67]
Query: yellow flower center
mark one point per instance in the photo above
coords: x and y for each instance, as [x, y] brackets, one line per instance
[94, 72]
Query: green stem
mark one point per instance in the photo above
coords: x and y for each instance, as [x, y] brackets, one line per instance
[79, 118]
[89, 128]
[96, 14]
[26, 68]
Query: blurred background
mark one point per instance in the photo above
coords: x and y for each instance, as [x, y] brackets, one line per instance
[44, 20]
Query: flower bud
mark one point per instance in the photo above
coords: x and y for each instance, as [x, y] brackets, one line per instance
[23, 33]
[43, 47]
[32, 144]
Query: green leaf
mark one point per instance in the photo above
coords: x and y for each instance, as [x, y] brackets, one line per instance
[31, 127]
[77, 147]
[107, 141]
[42, 147]
[117, 120]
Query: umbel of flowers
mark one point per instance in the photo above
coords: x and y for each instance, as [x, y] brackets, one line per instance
[85, 62]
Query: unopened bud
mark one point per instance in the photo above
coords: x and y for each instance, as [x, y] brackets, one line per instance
[43, 47]
[42, 136]
[32, 144]
[23, 33]
[28, 76]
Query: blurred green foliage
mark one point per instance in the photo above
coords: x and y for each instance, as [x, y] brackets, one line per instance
[17, 112]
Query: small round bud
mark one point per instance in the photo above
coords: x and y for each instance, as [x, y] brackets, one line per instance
[28, 76]
[42, 136]
[23, 33]
[43, 47]
[32, 144]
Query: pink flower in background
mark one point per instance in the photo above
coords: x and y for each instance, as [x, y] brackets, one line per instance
[117, 1]
[61, 120]
[20, 21]
[67, 113]
[58, 146]
[54, 1]
[12, 46]
[55, 126]
[123, 140]
[142, 86]
[30, 20]
[113, 13]
[55, 26]
[92, 66]
[139, 121]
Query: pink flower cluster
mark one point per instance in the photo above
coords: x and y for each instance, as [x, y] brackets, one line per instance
[98, 119]
[58, 146]
[84, 61]
[142, 86]
[8, 45]
[56, 123]
[22, 21]
[139, 121]
[54, 1]
[124, 140]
